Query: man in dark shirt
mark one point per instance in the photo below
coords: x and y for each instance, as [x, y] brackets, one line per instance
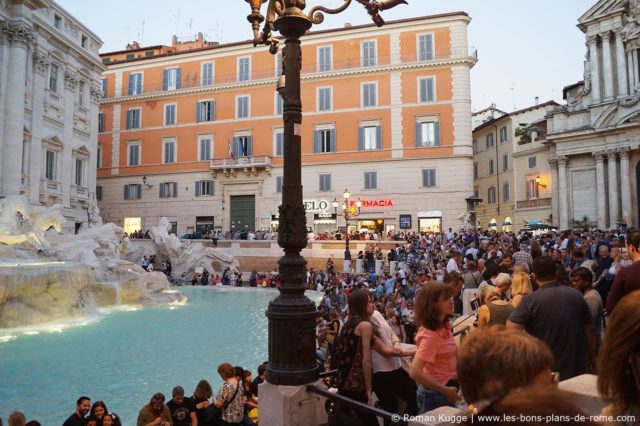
[183, 410]
[83, 405]
[628, 279]
[559, 316]
[262, 369]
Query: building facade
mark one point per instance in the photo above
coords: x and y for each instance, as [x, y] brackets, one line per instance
[193, 131]
[510, 169]
[595, 137]
[49, 94]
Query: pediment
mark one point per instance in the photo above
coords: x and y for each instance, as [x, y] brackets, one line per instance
[602, 9]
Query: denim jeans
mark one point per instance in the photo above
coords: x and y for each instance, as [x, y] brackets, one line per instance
[429, 399]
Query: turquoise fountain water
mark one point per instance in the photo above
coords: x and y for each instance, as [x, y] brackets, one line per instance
[128, 355]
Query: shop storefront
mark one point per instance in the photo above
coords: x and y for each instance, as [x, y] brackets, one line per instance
[507, 225]
[371, 225]
[430, 221]
[493, 224]
[324, 222]
[275, 223]
[132, 224]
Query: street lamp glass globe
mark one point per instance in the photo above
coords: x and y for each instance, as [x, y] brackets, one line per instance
[346, 194]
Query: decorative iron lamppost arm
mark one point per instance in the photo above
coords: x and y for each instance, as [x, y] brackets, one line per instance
[292, 357]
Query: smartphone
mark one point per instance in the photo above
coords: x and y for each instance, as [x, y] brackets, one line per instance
[475, 304]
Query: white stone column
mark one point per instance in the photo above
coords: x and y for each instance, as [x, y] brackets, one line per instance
[614, 212]
[67, 169]
[41, 64]
[636, 71]
[601, 201]
[555, 208]
[621, 65]
[625, 186]
[607, 68]
[594, 61]
[631, 72]
[563, 204]
[19, 37]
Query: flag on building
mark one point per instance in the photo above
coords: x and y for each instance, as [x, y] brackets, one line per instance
[230, 150]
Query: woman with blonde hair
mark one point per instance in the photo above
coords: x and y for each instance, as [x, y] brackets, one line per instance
[520, 287]
[494, 310]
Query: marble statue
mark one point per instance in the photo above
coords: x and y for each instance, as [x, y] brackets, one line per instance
[22, 223]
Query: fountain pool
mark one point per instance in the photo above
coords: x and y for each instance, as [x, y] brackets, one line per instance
[126, 356]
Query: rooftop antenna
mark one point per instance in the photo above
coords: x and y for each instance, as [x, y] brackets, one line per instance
[178, 25]
[141, 33]
[190, 27]
[513, 94]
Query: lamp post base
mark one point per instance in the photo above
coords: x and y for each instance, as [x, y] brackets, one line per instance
[347, 266]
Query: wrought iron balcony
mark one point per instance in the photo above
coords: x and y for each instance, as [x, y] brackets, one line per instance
[248, 164]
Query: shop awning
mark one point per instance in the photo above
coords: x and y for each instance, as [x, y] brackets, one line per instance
[324, 222]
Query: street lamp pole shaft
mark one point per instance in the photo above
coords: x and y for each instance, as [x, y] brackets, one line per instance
[292, 356]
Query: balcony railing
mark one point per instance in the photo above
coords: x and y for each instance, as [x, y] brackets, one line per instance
[261, 161]
[533, 203]
[194, 81]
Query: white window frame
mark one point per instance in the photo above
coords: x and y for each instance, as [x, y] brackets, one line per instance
[486, 140]
[318, 104]
[169, 193]
[138, 191]
[139, 145]
[201, 139]
[375, 50]
[323, 129]
[238, 97]
[505, 156]
[213, 73]
[506, 134]
[533, 189]
[278, 64]
[54, 167]
[172, 84]
[139, 120]
[138, 89]
[492, 167]
[203, 185]
[495, 195]
[165, 142]
[103, 87]
[362, 85]
[435, 89]
[432, 121]
[240, 58]
[277, 131]
[318, 56]
[433, 46]
[213, 111]
[277, 100]
[175, 114]
[83, 171]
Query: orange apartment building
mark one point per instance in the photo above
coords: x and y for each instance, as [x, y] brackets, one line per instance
[193, 131]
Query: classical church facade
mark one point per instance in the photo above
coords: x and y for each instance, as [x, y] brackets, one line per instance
[594, 139]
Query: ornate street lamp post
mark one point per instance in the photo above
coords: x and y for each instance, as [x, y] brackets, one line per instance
[292, 358]
[348, 211]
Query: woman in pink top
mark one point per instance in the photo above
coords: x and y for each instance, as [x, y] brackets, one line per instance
[434, 365]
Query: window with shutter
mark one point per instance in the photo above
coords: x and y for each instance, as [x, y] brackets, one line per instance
[325, 182]
[369, 54]
[170, 115]
[324, 59]
[206, 111]
[369, 138]
[425, 47]
[134, 154]
[491, 195]
[475, 170]
[279, 143]
[279, 104]
[279, 180]
[101, 122]
[244, 69]
[489, 140]
[428, 178]
[370, 180]
[426, 88]
[207, 74]
[242, 107]
[505, 192]
[533, 162]
[135, 84]
[171, 79]
[491, 167]
[205, 149]
[369, 95]
[427, 134]
[324, 99]
[505, 162]
[169, 152]
[503, 134]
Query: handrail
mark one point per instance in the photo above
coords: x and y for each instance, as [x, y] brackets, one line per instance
[395, 419]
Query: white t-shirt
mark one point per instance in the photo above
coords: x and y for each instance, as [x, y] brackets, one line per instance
[452, 265]
[382, 363]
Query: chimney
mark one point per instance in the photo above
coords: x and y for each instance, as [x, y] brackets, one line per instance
[537, 100]
[174, 41]
[347, 25]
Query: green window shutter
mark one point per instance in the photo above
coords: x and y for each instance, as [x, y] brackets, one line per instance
[197, 188]
[332, 135]
[249, 146]
[436, 131]
[317, 141]
[418, 134]
[162, 190]
[360, 138]
[378, 137]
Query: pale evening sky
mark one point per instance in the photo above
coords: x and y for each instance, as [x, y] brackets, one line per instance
[526, 48]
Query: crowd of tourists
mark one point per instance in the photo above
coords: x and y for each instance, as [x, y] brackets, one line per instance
[235, 403]
[544, 303]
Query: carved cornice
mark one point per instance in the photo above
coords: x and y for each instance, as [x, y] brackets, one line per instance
[562, 160]
[553, 162]
[611, 154]
[605, 36]
[96, 93]
[18, 33]
[599, 156]
[70, 79]
[624, 152]
[309, 77]
[41, 61]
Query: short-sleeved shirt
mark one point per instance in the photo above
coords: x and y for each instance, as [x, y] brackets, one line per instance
[147, 415]
[235, 407]
[557, 315]
[438, 350]
[625, 282]
[181, 414]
